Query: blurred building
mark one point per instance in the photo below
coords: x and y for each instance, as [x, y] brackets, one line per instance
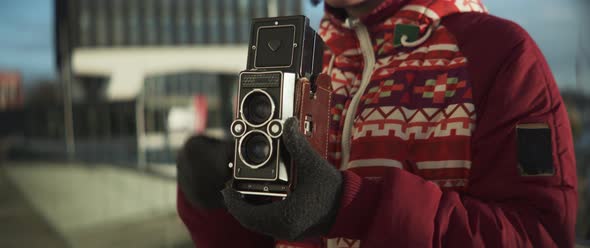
[134, 70]
[11, 96]
[583, 54]
[11, 103]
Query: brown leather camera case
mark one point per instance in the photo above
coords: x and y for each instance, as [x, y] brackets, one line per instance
[313, 110]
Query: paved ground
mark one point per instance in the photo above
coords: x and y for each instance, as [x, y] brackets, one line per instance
[157, 231]
[56, 205]
[20, 223]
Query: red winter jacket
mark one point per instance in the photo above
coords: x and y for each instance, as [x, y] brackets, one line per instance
[455, 137]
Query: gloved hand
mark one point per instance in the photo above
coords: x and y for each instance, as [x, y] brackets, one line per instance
[202, 170]
[309, 211]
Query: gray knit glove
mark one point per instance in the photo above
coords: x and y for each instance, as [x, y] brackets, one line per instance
[309, 211]
[202, 170]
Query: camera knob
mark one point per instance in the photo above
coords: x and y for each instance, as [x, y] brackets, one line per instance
[238, 128]
[275, 128]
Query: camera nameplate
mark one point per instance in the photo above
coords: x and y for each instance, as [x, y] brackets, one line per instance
[288, 96]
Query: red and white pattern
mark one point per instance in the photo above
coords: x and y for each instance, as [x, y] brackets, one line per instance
[344, 243]
[415, 124]
[470, 6]
[421, 125]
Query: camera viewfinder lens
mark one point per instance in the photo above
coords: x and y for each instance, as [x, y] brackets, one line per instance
[257, 108]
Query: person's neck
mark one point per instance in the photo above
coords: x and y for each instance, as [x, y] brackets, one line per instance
[363, 9]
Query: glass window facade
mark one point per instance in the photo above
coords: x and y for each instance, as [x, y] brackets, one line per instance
[92, 24]
[115, 23]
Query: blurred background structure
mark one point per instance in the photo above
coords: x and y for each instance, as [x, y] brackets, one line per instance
[140, 76]
[89, 156]
[96, 97]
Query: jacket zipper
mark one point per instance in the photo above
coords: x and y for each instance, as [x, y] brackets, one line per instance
[369, 60]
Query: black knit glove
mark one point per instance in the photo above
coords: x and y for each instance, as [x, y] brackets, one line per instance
[202, 170]
[309, 211]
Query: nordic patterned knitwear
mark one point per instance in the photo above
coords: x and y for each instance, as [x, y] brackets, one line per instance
[417, 112]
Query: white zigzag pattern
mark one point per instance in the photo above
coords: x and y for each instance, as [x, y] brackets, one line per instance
[327, 30]
[337, 77]
[343, 243]
[418, 132]
[470, 6]
[432, 62]
[431, 115]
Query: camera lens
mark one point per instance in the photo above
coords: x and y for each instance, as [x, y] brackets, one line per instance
[257, 107]
[255, 148]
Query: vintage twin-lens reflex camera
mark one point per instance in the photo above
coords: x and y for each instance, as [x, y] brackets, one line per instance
[282, 80]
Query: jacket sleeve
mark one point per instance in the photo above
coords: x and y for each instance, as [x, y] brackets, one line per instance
[501, 207]
[217, 228]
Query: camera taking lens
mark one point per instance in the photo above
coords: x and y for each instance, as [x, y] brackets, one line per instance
[255, 149]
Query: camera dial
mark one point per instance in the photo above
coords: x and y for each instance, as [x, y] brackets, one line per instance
[238, 128]
[275, 128]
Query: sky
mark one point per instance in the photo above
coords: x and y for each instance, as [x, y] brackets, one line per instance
[26, 34]
[26, 38]
[554, 25]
